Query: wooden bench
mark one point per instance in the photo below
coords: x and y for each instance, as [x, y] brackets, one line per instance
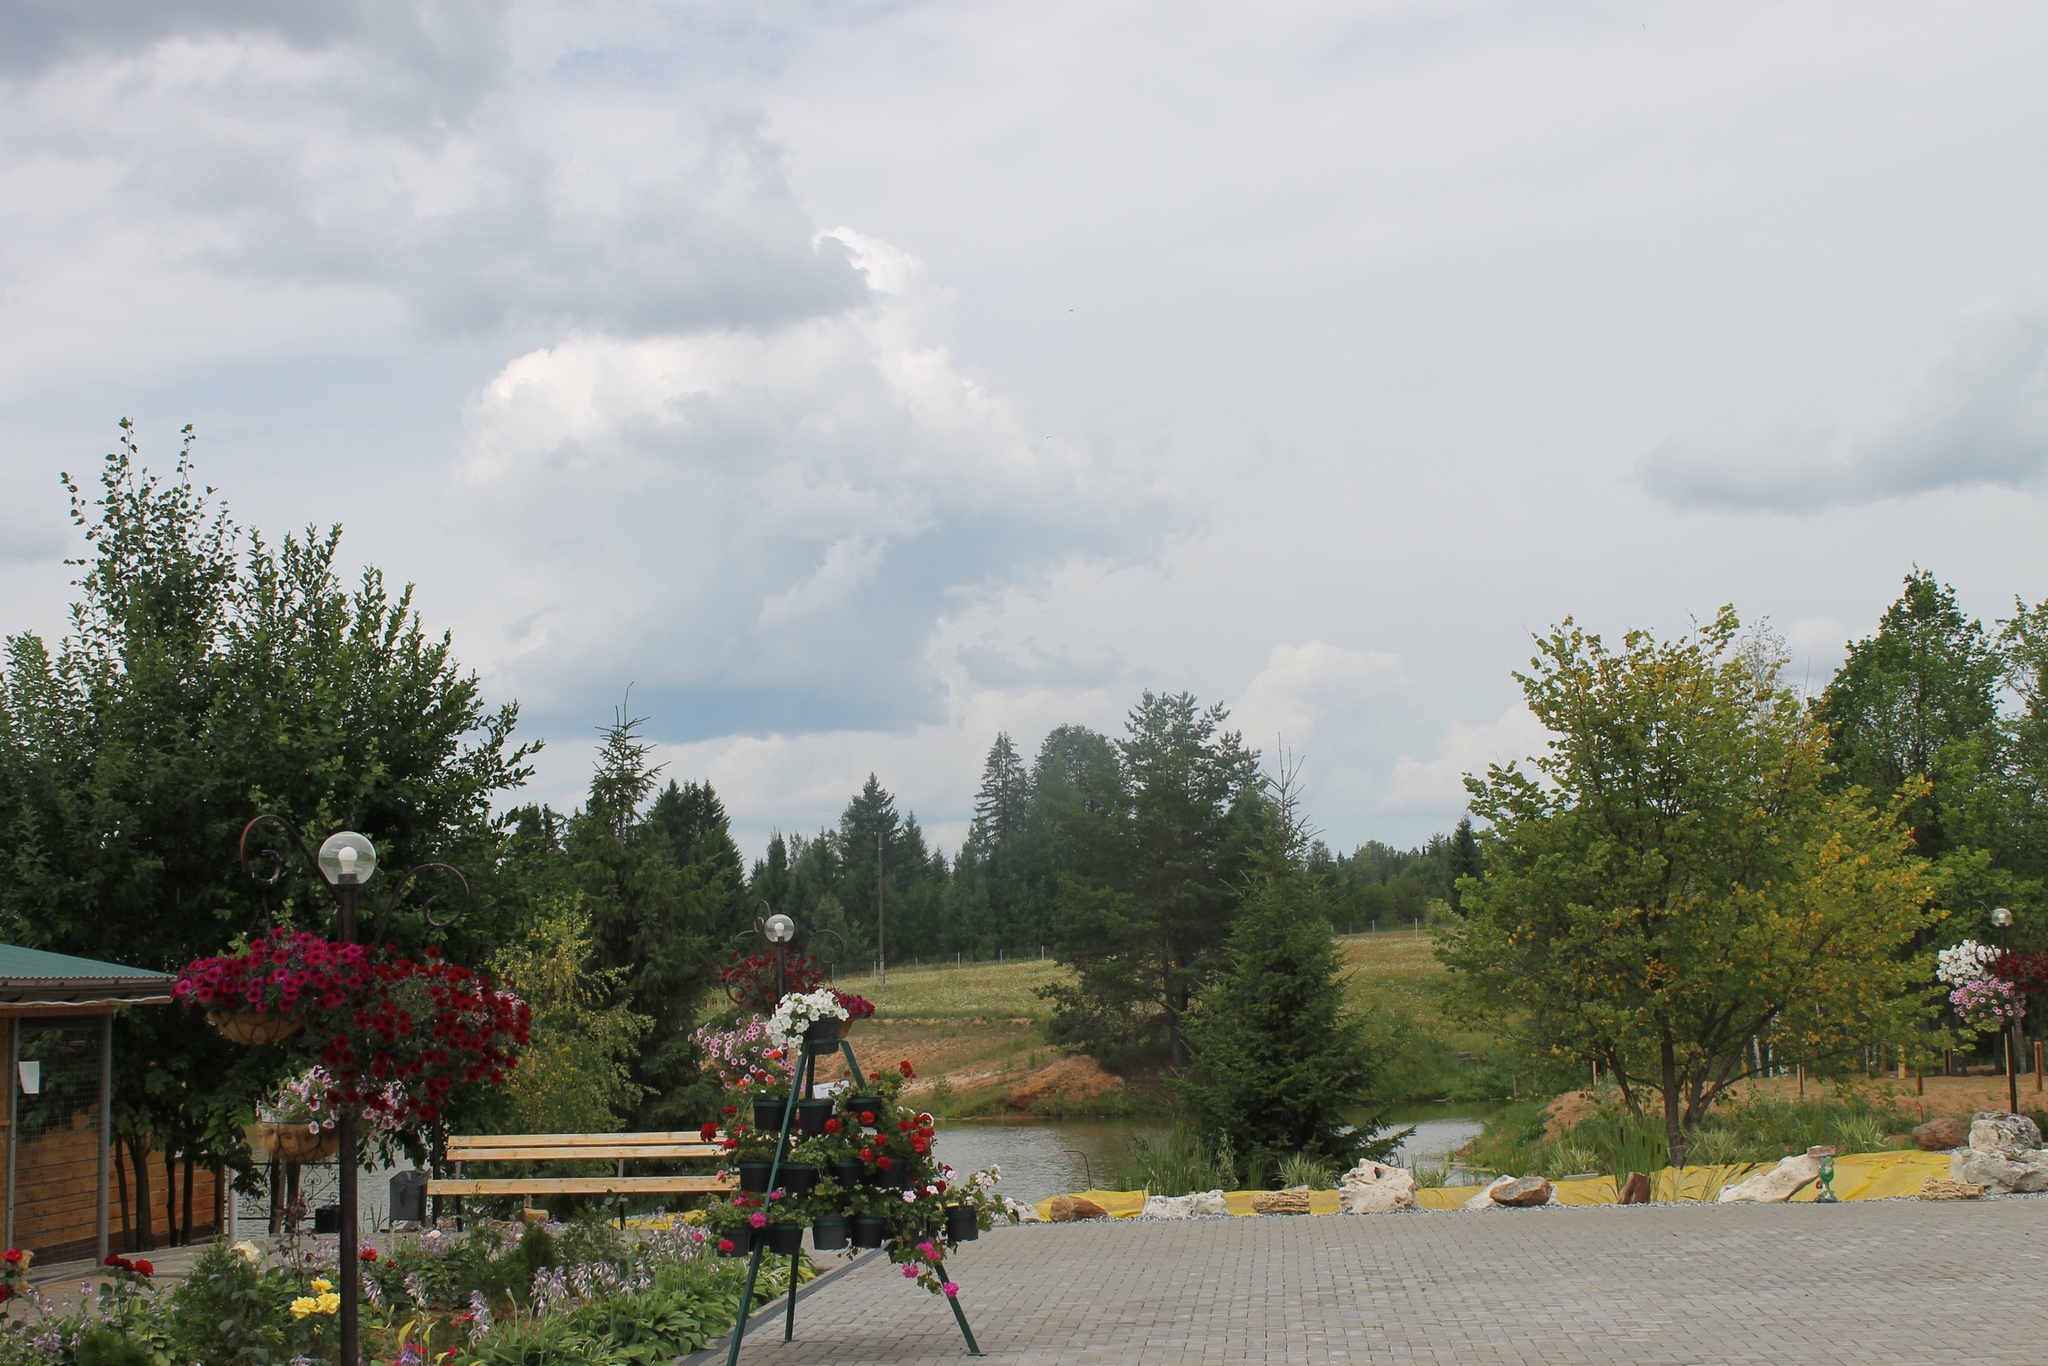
[618, 1148]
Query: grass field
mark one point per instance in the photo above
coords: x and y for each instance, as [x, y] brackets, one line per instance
[986, 991]
[977, 1032]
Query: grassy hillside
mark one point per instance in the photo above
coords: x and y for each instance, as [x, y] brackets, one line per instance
[975, 1035]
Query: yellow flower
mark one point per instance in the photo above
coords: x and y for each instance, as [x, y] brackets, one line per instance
[321, 1285]
[302, 1306]
[328, 1303]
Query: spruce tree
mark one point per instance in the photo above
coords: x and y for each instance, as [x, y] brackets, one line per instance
[1280, 1066]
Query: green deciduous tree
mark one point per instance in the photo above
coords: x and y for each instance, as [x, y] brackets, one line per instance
[575, 1075]
[208, 677]
[1674, 884]
[1277, 1059]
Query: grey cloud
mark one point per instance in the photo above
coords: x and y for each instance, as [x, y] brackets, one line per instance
[422, 59]
[395, 157]
[1980, 419]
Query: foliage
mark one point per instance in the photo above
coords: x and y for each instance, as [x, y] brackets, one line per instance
[1908, 698]
[1159, 854]
[653, 922]
[574, 1074]
[1277, 1059]
[1673, 885]
[207, 676]
[1180, 1162]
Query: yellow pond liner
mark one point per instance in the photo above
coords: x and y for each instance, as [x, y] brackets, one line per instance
[1859, 1176]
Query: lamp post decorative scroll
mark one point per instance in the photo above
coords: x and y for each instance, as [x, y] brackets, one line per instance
[345, 861]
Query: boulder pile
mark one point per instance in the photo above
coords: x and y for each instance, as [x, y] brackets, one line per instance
[1376, 1188]
[2004, 1155]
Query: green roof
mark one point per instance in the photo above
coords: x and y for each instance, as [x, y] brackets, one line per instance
[37, 976]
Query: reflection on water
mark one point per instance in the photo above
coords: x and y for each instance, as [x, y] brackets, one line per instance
[1042, 1157]
[1046, 1157]
[1440, 1130]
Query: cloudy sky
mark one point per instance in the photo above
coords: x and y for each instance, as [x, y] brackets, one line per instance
[856, 380]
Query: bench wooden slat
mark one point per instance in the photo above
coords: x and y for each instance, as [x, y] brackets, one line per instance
[580, 1185]
[458, 1141]
[692, 1151]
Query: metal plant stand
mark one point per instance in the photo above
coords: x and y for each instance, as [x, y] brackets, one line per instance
[801, 1084]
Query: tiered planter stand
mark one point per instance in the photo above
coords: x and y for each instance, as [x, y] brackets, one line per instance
[801, 1086]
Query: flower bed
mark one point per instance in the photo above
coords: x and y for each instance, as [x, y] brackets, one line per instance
[552, 1296]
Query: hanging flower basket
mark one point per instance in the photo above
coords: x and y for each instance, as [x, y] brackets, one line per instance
[414, 1033]
[263, 994]
[297, 1142]
[256, 1027]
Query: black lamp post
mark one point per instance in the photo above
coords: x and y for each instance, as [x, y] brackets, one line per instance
[2002, 918]
[345, 862]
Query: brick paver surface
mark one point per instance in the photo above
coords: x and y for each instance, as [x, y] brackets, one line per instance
[1884, 1281]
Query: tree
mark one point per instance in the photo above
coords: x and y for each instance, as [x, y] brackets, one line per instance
[574, 1076]
[1277, 1060]
[208, 677]
[1462, 859]
[1674, 888]
[654, 929]
[1158, 848]
[1907, 700]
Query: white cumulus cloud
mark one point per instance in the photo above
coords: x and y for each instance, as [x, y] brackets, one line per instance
[1438, 783]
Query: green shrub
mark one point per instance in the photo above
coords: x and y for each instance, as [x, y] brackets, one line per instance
[105, 1345]
[227, 1313]
[1304, 1169]
[1180, 1163]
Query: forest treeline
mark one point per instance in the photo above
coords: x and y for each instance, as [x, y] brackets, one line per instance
[208, 675]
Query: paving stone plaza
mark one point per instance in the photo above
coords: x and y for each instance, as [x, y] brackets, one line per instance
[1879, 1281]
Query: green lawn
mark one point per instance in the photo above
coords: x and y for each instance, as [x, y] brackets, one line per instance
[1004, 991]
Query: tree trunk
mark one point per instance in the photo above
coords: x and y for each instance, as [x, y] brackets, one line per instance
[190, 1166]
[171, 1238]
[145, 1217]
[121, 1184]
[1674, 1118]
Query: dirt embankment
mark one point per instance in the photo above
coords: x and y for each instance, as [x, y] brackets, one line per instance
[985, 1067]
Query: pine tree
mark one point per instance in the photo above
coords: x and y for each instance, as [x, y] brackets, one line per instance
[1279, 1065]
[1462, 859]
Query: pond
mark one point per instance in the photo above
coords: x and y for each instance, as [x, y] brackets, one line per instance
[1046, 1157]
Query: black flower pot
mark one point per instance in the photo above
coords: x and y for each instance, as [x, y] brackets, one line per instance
[768, 1114]
[850, 1173]
[799, 1178]
[785, 1240]
[754, 1177]
[960, 1224]
[828, 1232]
[869, 1230]
[873, 1105]
[812, 1114]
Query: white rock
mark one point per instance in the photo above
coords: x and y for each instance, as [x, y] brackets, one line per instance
[1777, 1185]
[1375, 1188]
[1185, 1206]
[1484, 1200]
[2007, 1135]
[1999, 1171]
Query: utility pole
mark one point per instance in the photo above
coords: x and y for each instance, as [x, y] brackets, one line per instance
[881, 920]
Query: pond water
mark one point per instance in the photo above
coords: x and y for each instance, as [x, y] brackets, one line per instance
[1046, 1157]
